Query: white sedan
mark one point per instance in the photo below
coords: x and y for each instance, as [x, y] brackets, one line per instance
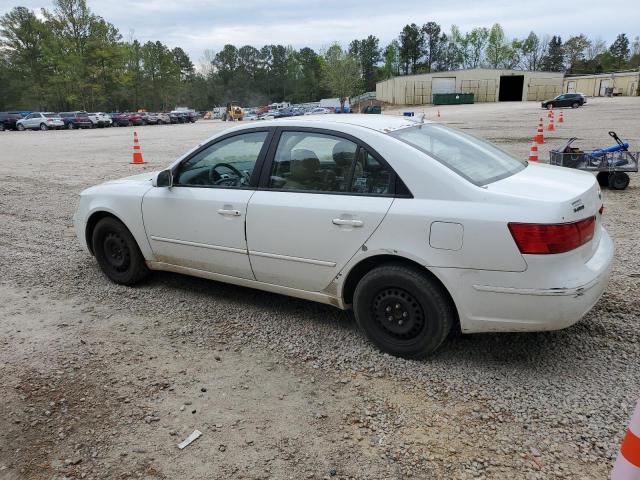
[417, 227]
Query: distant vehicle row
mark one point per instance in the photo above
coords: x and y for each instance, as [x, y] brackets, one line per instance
[72, 120]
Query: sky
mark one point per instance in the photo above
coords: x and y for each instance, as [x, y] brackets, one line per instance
[198, 25]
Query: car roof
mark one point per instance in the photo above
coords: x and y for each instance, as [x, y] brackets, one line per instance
[380, 123]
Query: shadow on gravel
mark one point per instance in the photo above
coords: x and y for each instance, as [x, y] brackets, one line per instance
[270, 303]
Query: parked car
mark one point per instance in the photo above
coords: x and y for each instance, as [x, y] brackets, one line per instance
[573, 100]
[164, 118]
[136, 119]
[488, 242]
[100, 119]
[119, 119]
[76, 120]
[40, 121]
[176, 118]
[8, 120]
[318, 111]
[149, 118]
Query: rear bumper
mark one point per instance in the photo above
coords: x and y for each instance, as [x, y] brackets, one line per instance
[487, 301]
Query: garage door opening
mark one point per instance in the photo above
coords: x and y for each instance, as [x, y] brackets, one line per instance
[511, 88]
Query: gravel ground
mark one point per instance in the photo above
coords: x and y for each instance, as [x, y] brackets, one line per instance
[103, 381]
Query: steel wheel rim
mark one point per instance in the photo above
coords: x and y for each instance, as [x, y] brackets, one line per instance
[116, 252]
[398, 314]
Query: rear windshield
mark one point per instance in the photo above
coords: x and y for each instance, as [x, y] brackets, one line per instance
[51, 115]
[82, 115]
[476, 160]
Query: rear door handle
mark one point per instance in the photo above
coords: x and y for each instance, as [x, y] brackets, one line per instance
[231, 213]
[344, 221]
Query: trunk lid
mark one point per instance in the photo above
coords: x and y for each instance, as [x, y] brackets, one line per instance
[551, 194]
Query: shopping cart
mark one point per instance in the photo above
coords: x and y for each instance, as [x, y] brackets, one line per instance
[612, 164]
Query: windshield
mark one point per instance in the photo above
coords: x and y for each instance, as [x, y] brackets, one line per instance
[476, 160]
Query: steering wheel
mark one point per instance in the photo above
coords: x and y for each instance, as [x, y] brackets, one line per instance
[225, 181]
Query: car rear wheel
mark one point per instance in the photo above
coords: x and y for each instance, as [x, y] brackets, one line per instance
[618, 180]
[117, 252]
[43, 127]
[402, 310]
[575, 105]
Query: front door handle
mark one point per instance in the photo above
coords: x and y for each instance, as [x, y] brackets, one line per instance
[344, 221]
[229, 212]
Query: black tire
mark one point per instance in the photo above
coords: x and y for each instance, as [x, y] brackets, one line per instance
[117, 252]
[575, 105]
[549, 106]
[603, 179]
[43, 127]
[618, 180]
[421, 312]
[129, 124]
[70, 126]
[20, 128]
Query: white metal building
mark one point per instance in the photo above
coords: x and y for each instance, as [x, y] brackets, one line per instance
[620, 83]
[487, 85]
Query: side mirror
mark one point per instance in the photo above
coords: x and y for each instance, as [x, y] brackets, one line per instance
[163, 179]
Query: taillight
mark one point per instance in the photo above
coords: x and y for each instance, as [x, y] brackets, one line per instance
[534, 238]
[601, 211]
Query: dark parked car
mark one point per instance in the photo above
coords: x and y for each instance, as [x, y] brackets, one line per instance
[573, 100]
[76, 120]
[176, 118]
[126, 119]
[8, 120]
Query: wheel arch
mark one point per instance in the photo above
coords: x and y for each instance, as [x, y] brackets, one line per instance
[364, 266]
[93, 220]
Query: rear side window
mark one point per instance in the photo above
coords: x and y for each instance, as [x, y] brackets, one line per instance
[312, 162]
[369, 175]
[476, 160]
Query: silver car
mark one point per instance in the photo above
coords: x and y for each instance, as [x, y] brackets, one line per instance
[40, 121]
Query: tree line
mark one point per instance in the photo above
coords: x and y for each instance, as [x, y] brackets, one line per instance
[69, 58]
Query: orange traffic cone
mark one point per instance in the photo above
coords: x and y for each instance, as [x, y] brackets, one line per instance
[627, 464]
[533, 153]
[550, 126]
[561, 118]
[550, 113]
[539, 138]
[137, 154]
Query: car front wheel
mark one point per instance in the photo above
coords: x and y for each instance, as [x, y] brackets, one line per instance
[402, 310]
[117, 252]
[20, 127]
[549, 106]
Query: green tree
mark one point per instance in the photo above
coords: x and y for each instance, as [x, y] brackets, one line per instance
[23, 40]
[367, 51]
[574, 49]
[411, 47]
[341, 73]
[553, 61]
[499, 53]
[391, 60]
[619, 50]
[432, 44]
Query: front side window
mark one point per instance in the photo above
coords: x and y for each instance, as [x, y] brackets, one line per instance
[312, 162]
[228, 163]
[476, 160]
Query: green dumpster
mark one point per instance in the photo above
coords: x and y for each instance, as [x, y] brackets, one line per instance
[452, 98]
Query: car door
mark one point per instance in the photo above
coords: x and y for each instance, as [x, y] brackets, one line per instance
[199, 222]
[316, 206]
[30, 120]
